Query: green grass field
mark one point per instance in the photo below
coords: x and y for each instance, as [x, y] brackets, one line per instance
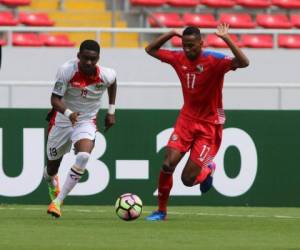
[97, 227]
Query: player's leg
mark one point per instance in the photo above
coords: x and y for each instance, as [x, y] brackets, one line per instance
[51, 177]
[165, 182]
[200, 166]
[83, 137]
[84, 148]
[58, 144]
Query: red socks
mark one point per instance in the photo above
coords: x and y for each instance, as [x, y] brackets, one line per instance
[205, 171]
[164, 187]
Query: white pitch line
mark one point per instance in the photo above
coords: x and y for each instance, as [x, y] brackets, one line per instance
[170, 212]
[237, 215]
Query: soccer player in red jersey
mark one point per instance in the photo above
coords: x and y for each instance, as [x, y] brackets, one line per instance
[199, 125]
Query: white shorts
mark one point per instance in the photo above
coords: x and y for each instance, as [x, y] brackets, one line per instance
[60, 139]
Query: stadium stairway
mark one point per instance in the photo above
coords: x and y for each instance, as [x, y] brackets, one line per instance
[85, 13]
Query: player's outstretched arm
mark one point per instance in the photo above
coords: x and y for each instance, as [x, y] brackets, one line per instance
[110, 118]
[240, 60]
[154, 46]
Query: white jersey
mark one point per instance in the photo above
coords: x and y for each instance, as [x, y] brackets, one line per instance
[79, 92]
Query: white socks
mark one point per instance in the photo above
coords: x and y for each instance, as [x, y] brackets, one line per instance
[74, 175]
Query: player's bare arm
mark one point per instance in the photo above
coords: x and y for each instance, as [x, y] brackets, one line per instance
[240, 60]
[154, 46]
[58, 104]
[110, 118]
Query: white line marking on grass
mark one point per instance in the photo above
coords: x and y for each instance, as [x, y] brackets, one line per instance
[170, 212]
[233, 215]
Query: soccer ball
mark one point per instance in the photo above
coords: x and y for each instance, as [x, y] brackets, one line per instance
[129, 206]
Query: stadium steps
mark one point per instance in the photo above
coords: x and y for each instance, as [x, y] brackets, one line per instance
[85, 13]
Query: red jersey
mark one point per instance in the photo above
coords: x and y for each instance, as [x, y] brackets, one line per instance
[201, 82]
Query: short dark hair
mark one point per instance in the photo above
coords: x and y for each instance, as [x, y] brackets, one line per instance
[89, 45]
[192, 30]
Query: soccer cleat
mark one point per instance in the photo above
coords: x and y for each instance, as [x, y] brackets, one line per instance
[206, 185]
[53, 190]
[54, 209]
[157, 216]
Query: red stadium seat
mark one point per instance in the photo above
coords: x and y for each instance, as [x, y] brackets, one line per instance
[215, 41]
[147, 3]
[289, 41]
[237, 20]
[3, 42]
[35, 19]
[257, 41]
[176, 41]
[26, 39]
[295, 20]
[218, 3]
[183, 3]
[287, 4]
[200, 20]
[165, 19]
[56, 40]
[7, 19]
[254, 3]
[276, 21]
[15, 3]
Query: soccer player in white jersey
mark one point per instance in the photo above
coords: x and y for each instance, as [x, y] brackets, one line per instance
[75, 102]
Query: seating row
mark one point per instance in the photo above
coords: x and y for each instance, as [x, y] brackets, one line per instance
[15, 3]
[285, 4]
[33, 39]
[31, 19]
[235, 20]
[250, 41]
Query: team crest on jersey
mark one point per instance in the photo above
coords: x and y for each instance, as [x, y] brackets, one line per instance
[200, 67]
[58, 86]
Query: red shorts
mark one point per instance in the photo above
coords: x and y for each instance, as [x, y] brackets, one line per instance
[202, 138]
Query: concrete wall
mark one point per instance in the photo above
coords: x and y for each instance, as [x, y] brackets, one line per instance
[145, 83]
[133, 65]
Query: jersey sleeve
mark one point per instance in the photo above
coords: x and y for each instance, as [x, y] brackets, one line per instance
[222, 62]
[108, 76]
[166, 56]
[61, 82]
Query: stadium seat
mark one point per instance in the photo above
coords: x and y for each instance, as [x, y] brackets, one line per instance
[183, 3]
[289, 41]
[276, 21]
[7, 19]
[35, 19]
[200, 20]
[56, 40]
[287, 4]
[295, 20]
[218, 3]
[237, 20]
[15, 3]
[165, 20]
[217, 42]
[147, 3]
[26, 39]
[176, 41]
[254, 3]
[3, 42]
[257, 41]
